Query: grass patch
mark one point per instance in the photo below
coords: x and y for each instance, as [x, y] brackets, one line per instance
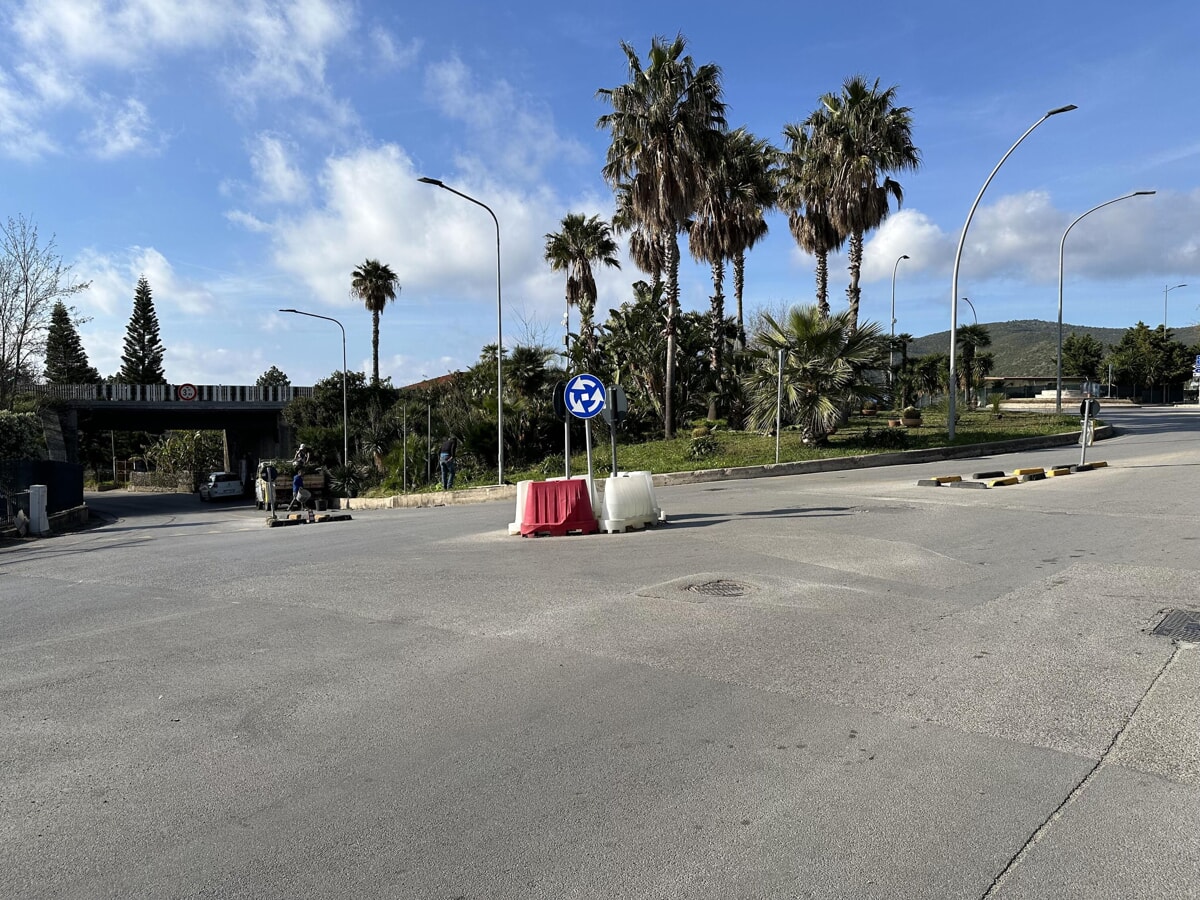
[861, 435]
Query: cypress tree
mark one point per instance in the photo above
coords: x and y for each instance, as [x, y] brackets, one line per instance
[66, 360]
[141, 363]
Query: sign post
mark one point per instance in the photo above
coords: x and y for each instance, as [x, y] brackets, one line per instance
[1088, 409]
[615, 408]
[584, 397]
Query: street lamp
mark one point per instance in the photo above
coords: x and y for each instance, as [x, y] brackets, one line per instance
[1061, 245]
[1167, 290]
[958, 258]
[892, 345]
[345, 419]
[973, 313]
[499, 332]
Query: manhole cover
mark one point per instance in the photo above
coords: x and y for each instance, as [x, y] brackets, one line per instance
[1180, 623]
[719, 588]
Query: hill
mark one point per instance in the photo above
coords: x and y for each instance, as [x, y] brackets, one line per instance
[1028, 347]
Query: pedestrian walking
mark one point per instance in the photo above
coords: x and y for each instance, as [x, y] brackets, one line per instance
[447, 462]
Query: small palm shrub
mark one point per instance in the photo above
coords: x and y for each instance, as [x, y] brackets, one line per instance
[704, 446]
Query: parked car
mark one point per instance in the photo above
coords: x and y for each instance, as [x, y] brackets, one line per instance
[221, 485]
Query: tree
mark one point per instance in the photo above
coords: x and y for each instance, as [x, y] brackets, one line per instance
[32, 279]
[141, 363]
[826, 361]
[971, 339]
[581, 243]
[273, 377]
[1149, 357]
[631, 344]
[665, 124]
[66, 360]
[805, 173]
[869, 137]
[728, 221]
[1082, 356]
[374, 284]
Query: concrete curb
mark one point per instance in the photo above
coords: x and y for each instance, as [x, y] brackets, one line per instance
[833, 464]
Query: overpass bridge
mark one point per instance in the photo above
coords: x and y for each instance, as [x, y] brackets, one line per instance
[249, 415]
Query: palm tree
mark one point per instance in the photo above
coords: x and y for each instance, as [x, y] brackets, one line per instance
[804, 174]
[868, 137]
[580, 243]
[753, 190]
[826, 365]
[971, 339]
[375, 284]
[665, 123]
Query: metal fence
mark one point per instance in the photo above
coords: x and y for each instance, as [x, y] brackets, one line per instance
[167, 393]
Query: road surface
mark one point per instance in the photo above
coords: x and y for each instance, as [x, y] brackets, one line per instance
[833, 685]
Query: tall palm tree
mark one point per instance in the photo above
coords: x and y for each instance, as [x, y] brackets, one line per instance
[579, 244]
[826, 366]
[665, 122]
[971, 339]
[868, 138]
[805, 173]
[753, 191]
[374, 284]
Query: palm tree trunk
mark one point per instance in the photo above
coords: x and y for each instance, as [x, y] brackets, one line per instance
[853, 292]
[823, 283]
[672, 313]
[715, 335]
[587, 330]
[375, 346]
[739, 282]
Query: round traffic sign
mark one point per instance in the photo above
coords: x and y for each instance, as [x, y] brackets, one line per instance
[584, 396]
[187, 392]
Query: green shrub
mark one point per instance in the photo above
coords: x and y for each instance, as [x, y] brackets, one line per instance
[881, 439]
[703, 447]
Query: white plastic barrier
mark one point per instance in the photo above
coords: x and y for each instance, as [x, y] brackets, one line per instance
[628, 502]
[39, 522]
[514, 527]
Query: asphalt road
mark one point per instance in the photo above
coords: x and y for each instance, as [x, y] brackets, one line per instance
[907, 692]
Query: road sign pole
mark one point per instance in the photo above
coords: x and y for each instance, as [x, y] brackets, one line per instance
[587, 432]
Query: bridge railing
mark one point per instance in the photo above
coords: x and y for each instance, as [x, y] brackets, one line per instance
[164, 393]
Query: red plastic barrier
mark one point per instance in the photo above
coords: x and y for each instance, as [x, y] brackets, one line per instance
[557, 508]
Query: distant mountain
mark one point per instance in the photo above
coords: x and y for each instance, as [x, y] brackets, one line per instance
[1029, 347]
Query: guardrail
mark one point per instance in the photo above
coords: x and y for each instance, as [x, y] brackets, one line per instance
[168, 393]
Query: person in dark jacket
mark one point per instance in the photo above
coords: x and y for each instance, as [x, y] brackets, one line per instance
[299, 494]
[447, 462]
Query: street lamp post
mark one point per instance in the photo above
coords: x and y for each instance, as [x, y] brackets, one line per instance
[499, 331]
[1167, 290]
[974, 314]
[1061, 246]
[958, 258]
[967, 387]
[345, 418]
[892, 345]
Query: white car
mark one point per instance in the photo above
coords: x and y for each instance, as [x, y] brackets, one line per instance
[221, 485]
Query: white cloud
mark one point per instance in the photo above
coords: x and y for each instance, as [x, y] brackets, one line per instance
[122, 34]
[280, 180]
[121, 131]
[389, 53]
[1018, 238]
[115, 279]
[519, 134]
[288, 48]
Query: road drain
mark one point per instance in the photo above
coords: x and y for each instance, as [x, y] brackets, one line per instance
[1181, 624]
[720, 588]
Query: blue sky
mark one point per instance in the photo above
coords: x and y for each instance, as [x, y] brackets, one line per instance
[247, 155]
